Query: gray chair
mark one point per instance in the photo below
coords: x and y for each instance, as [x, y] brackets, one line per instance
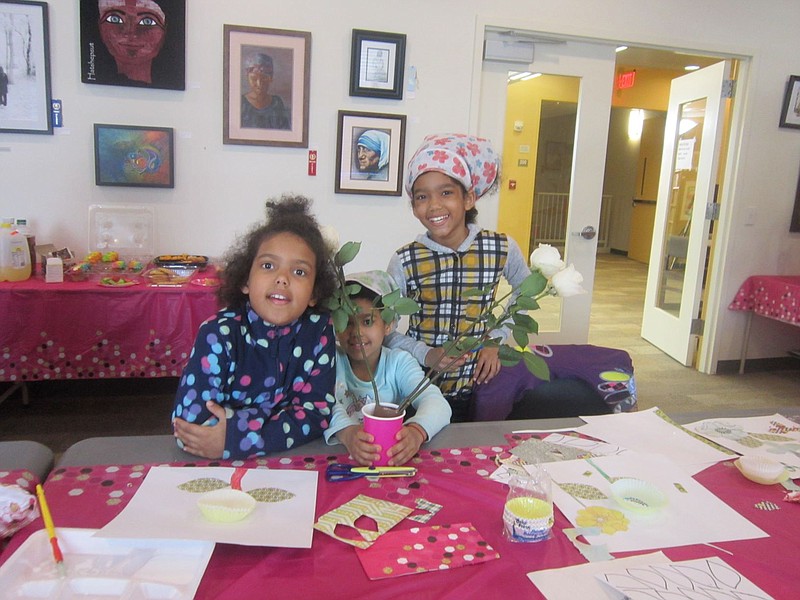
[32, 456]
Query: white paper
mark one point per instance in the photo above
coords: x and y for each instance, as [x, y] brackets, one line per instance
[692, 515]
[771, 436]
[160, 510]
[710, 578]
[593, 447]
[646, 431]
[580, 581]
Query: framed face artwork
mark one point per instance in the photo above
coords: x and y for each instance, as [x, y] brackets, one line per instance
[266, 82]
[133, 156]
[377, 61]
[137, 43]
[369, 151]
[790, 113]
[25, 68]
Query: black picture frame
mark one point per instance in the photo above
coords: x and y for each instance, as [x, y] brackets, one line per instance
[28, 75]
[288, 54]
[794, 225]
[377, 61]
[790, 113]
[384, 176]
[163, 69]
[134, 156]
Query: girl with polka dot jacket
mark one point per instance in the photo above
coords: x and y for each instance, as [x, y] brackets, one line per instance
[261, 375]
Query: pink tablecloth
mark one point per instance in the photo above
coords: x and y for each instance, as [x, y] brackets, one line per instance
[773, 296]
[456, 479]
[81, 330]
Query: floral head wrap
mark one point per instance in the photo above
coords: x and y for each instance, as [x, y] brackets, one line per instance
[470, 160]
[378, 142]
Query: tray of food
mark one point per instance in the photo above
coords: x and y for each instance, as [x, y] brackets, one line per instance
[168, 276]
[193, 261]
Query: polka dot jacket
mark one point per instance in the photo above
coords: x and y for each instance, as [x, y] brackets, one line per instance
[275, 382]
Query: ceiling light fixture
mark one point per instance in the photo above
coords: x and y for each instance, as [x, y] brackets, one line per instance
[691, 67]
[635, 123]
[620, 48]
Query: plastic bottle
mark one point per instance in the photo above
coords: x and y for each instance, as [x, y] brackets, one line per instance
[15, 258]
[21, 225]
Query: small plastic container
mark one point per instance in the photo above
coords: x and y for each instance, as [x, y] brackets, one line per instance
[528, 511]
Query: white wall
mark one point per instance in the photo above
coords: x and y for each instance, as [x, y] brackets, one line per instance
[220, 189]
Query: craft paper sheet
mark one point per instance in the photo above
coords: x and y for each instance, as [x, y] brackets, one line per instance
[580, 581]
[421, 549]
[692, 514]
[648, 431]
[708, 578]
[161, 509]
[385, 514]
[771, 436]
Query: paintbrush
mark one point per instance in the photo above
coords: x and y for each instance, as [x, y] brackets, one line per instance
[51, 531]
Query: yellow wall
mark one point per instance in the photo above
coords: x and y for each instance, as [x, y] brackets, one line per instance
[523, 104]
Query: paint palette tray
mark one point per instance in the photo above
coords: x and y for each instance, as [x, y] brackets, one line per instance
[105, 568]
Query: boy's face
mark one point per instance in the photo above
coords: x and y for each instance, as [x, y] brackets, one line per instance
[281, 281]
[440, 204]
[373, 330]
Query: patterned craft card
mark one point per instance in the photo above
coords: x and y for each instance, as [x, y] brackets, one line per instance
[385, 514]
[771, 436]
[421, 549]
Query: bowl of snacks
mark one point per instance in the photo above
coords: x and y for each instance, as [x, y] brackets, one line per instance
[181, 261]
[168, 276]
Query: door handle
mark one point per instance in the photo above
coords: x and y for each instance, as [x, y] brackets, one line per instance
[586, 233]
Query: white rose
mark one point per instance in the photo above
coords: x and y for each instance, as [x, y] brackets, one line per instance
[331, 237]
[567, 282]
[546, 260]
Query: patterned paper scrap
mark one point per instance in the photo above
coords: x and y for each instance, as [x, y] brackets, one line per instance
[421, 549]
[385, 514]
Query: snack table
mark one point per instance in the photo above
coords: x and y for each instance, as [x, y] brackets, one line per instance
[772, 296]
[456, 477]
[82, 330]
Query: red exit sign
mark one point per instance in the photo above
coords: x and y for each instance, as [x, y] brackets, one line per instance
[625, 80]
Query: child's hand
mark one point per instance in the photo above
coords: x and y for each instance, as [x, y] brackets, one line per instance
[359, 444]
[207, 441]
[409, 440]
[437, 359]
[488, 365]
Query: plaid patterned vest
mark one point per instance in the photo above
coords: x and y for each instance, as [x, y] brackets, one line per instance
[436, 280]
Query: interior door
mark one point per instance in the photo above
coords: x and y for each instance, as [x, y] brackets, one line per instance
[592, 67]
[687, 185]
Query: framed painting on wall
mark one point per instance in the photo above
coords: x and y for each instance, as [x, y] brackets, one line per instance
[135, 43]
[790, 113]
[133, 156]
[266, 82]
[794, 226]
[377, 60]
[25, 68]
[369, 153]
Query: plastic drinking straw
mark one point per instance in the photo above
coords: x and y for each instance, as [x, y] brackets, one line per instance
[51, 530]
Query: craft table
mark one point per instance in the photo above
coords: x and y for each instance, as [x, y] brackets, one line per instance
[457, 478]
[82, 330]
[772, 296]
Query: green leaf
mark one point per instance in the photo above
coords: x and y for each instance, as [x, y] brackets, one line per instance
[406, 306]
[533, 285]
[536, 365]
[391, 298]
[347, 253]
[525, 303]
[388, 315]
[352, 289]
[472, 292]
[340, 320]
[523, 320]
[508, 356]
[520, 336]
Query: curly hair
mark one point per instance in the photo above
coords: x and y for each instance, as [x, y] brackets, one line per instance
[290, 214]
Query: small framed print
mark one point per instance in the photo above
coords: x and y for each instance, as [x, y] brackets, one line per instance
[25, 68]
[266, 83]
[790, 114]
[377, 61]
[369, 151]
[132, 156]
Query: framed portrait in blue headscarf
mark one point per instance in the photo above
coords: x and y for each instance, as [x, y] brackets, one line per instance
[369, 151]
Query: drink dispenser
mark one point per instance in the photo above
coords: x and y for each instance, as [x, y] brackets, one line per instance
[15, 257]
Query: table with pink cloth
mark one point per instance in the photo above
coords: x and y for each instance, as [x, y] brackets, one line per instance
[772, 296]
[458, 479]
[82, 330]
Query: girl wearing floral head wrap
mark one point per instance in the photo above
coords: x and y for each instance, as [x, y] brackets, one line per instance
[446, 177]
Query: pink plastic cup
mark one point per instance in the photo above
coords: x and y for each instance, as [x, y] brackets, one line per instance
[383, 429]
